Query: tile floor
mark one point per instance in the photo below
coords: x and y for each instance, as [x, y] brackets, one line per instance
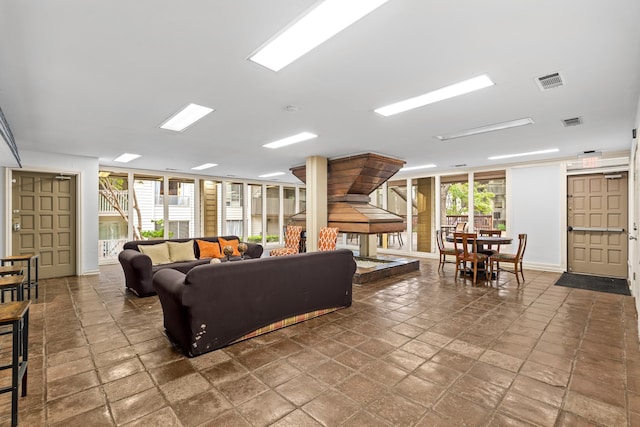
[425, 349]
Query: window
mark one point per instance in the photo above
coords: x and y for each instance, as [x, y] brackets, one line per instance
[179, 229]
[490, 200]
[234, 209]
[454, 197]
[255, 193]
[177, 195]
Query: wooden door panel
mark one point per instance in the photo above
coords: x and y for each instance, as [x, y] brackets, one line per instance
[45, 209]
[597, 202]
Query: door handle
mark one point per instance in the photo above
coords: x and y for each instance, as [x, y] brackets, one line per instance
[605, 229]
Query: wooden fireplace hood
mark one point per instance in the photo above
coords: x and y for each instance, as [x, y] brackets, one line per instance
[350, 180]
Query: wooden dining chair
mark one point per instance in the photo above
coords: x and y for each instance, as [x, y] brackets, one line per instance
[515, 259]
[461, 227]
[466, 244]
[444, 251]
[491, 248]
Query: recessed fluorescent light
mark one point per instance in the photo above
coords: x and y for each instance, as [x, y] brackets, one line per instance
[269, 175]
[317, 26]
[304, 136]
[441, 94]
[531, 153]
[186, 117]
[204, 166]
[485, 129]
[126, 157]
[412, 168]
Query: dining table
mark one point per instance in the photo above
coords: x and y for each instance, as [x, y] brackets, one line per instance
[482, 243]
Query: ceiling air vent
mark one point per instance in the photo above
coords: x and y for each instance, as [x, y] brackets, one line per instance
[575, 121]
[550, 81]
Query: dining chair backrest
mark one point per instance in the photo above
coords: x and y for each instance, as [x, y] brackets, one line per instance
[460, 226]
[439, 239]
[495, 247]
[522, 245]
[462, 242]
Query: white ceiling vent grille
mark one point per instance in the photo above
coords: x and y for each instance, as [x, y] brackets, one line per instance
[575, 121]
[550, 81]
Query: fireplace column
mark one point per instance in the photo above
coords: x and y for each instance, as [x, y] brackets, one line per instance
[316, 199]
[368, 245]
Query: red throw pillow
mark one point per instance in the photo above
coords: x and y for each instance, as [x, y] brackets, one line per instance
[233, 243]
[209, 249]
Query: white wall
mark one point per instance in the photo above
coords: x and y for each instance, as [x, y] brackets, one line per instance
[86, 169]
[535, 206]
[634, 214]
[3, 211]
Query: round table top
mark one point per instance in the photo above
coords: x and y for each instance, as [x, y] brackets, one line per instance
[483, 240]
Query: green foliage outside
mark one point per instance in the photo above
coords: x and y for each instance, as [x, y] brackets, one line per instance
[158, 233]
[481, 199]
[258, 239]
[502, 227]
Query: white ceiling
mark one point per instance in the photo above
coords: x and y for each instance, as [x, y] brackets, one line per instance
[97, 78]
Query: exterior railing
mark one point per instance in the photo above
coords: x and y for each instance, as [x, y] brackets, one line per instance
[109, 249]
[105, 207]
[480, 222]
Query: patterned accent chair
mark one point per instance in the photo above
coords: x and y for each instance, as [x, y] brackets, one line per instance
[328, 238]
[291, 241]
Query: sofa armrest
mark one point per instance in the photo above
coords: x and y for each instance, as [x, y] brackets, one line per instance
[137, 271]
[254, 250]
[169, 285]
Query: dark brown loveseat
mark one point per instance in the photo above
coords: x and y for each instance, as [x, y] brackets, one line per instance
[217, 304]
[138, 269]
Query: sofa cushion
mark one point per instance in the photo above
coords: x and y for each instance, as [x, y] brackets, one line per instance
[209, 249]
[233, 243]
[159, 253]
[181, 251]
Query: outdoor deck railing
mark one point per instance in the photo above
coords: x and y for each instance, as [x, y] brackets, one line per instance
[109, 249]
[480, 222]
[105, 207]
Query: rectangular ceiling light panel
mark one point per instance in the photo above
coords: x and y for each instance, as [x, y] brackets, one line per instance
[126, 157]
[441, 94]
[204, 166]
[304, 136]
[485, 129]
[320, 24]
[186, 117]
[269, 175]
[413, 168]
[530, 153]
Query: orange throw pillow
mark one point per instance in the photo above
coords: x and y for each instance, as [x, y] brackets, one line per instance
[233, 243]
[209, 249]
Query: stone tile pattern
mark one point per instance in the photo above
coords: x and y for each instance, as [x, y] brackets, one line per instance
[424, 349]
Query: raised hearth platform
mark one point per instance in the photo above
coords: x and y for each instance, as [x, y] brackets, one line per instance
[382, 268]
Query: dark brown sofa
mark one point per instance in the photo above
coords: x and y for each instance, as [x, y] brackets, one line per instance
[138, 270]
[217, 304]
